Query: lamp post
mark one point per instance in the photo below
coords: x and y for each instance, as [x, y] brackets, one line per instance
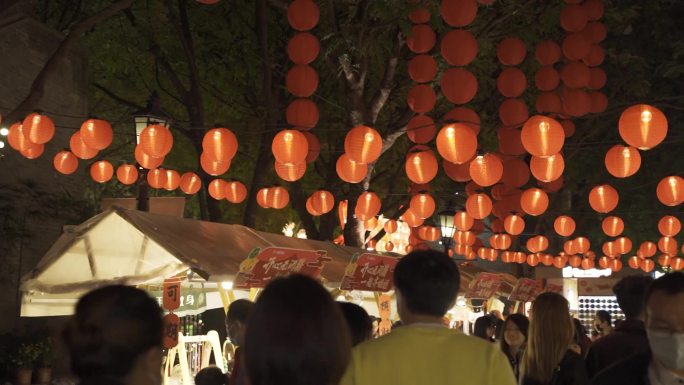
[446, 222]
[151, 114]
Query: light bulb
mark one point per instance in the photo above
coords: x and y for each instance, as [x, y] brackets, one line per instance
[646, 116]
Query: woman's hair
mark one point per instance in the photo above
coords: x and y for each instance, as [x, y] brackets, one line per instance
[550, 334]
[481, 325]
[111, 328]
[296, 335]
[360, 323]
[521, 322]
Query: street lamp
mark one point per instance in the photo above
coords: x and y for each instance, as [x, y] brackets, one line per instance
[446, 221]
[151, 114]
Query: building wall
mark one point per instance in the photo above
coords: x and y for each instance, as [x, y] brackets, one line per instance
[35, 200]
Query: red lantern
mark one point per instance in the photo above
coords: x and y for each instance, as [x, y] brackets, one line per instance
[156, 178]
[479, 206]
[79, 148]
[467, 238]
[422, 68]
[597, 78]
[458, 85]
[303, 15]
[588, 263]
[420, 129]
[513, 112]
[463, 221]
[537, 244]
[156, 140]
[429, 233]
[576, 46]
[534, 201]
[511, 82]
[514, 224]
[314, 147]
[669, 226]
[575, 74]
[670, 190]
[648, 249]
[421, 39]
[350, 171]
[573, 18]
[146, 160]
[511, 51]
[564, 225]
[303, 48]
[486, 170]
[172, 180]
[127, 174]
[459, 47]
[301, 80]
[65, 162]
[615, 265]
[290, 146]
[101, 171]
[457, 172]
[594, 9]
[190, 183]
[515, 172]
[533, 259]
[667, 245]
[546, 78]
[624, 245]
[363, 144]
[647, 265]
[419, 16]
[575, 261]
[603, 198]
[596, 32]
[411, 218]
[368, 204]
[548, 52]
[581, 245]
[421, 167]
[423, 205]
[633, 262]
[456, 143]
[643, 126]
[220, 144]
[677, 264]
[213, 166]
[421, 98]
[664, 260]
[510, 141]
[322, 201]
[622, 162]
[560, 261]
[547, 169]
[37, 128]
[302, 114]
[96, 134]
[568, 127]
[542, 136]
[458, 13]
[613, 226]
[290, 171]
[217, 189]
[390, 226]
[277, 197]
[235, 192]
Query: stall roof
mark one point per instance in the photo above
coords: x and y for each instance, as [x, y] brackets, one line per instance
[134, 247]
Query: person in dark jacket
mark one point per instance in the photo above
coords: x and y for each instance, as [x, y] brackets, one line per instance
[630, 336]
[236, 324]
[485, 327]
[664, 320]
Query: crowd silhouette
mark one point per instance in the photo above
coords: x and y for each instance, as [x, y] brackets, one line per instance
[296, 334]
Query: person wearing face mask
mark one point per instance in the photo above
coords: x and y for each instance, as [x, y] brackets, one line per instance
[664, 319]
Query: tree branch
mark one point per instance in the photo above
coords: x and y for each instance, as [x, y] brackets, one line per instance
[38, 86]
[117, 98]
[383, 93]
[280, 4]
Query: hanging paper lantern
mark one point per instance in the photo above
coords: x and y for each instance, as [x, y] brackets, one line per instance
[624, 245]
[458, 13]
[190, 183]
[389, 246]
[670, 190]
[277, 197]
[459, 47]
[217, 189]
[664, 260]
[368, 204]
[560, 261]
[156, 178]
[546, 78]
[575, 74]
[127, 174]
[573, 18]
[96, 134]
[456, 143]
[156, 140]
[604, 262]
[16, 138]
[421, 98]
[564, 226]
[463, 221]
[458, 85]
[677, 264]
[220, 144]
[576, 46]
[323, 201]
[302, 114]
[422, 68]
[669, 226]
[594, 9]
[542, 136]
[622, 162]
[547, 169]
[648, 249]
[510, 141]
[514, 224]
[310, 209]
[568, 127]
[213, 166]
[534, 201]
[596, 32]
[350, 171]
[513, 112]
[599, 102]
[172, 180]
[575, 261]
[603, 198]
[429, 233]
[363, 144]
[33, 151]
[588, 263]
[548, 102]
[486, 170]
[290, 146]
[457, 172]
[511, 51]
[667, 245]
[390, 226]
[511, 82]
[146, 160]
[235, 192]
[533, 259]
[597, 78]
[515, 172]
[303, 15]
[79, 148]
[576, 102]
[633, 262]
[581, 245]
[411, 219]
[467, 238]
[290, 171]
[65, 162]
[423, 205]
[303, 48]
[479, 206]
[595, 57]
[419, 16]
[314, 147]
[612, 226]
[537, 244]
[421, 39]
[646, 265]
[547, 53]
[642, 126]
[301, 80]
[421, 129]
[421, 167]
[101, 171]
[37, 128]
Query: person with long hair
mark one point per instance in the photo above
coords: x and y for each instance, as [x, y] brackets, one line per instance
[296, 335]
[485, 328]
[115, 338]
[514, 338]
[548, 359]
[360, 323]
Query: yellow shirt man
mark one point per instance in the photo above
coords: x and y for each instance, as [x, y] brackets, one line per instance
[428, 354]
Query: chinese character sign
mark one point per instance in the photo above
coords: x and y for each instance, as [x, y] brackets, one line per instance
[171, 328]
[483, 286]
[261, 266]
[171, 294]
[369, 272]
[385, 311]
[525, 290]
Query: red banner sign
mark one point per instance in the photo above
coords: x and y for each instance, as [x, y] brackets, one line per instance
[369, 272]
[171, 328]
[171, 294]
[483, 286]
[525, 290]
[261, 266]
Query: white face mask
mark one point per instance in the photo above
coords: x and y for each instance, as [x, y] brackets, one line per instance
[668, 348]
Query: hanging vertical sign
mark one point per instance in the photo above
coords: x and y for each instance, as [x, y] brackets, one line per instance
[171, 328]
[171, 294]
[385, 310]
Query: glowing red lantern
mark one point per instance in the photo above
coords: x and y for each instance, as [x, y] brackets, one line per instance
[564, 225]
[390, 226]
[190, 183]
[547, 169]
[350, 171]
[277, 197]
[612, 226]
[127, 174]
[603, 198]
[667, 245]
[581, 245]
[363, 144]
[96, 134]
[423, 205]
[456, 143]
[486, 170]
[322, 201]
[669, 226]
[534, 201]
[156, 178]
[217, 189]
[37, 128]
[172, 180]
[421, 167]
[642, 126]
[220, 144]
[670, 190]
[290, 146]
[648, 249]
[65, 162]
[213, 166]
[514, 224]
[463, 221]
[537, 244]
[368, 204]
[622, 162]
[542, 136]
[290, 171]
[479, 206]
[647, 265]
[411, 218]
[101, 171]
[156, 140]
[235, 192]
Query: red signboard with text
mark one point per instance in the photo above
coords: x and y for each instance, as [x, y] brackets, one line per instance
[369, 272]
[261, 266]
[525, 290]
[483, 286]
[171, 294]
